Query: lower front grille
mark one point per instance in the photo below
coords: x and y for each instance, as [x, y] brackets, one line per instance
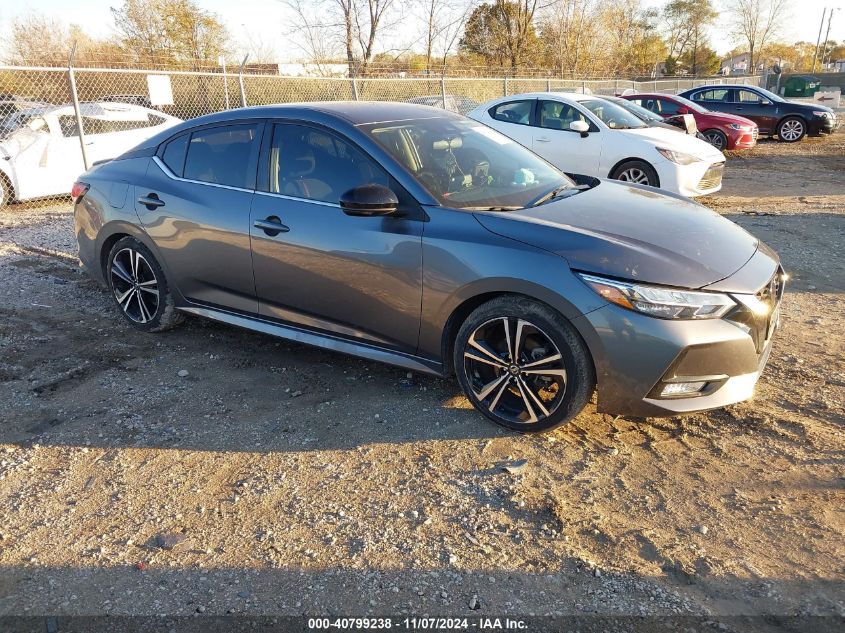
[712, 178]
[755, 132]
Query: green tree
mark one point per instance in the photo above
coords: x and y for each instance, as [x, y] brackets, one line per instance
[686, 23]
[170, 32]
[502, 32]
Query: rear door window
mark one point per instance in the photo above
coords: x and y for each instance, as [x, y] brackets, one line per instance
[557, 116]
[225, 155]
[716, 94]
[666, 107]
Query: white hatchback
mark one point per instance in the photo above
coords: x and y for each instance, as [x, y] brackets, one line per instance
[585, 134]
[41, 156]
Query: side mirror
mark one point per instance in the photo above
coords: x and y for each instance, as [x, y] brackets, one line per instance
[683, 110]
[369, 200]
[765, 102]
[582, 127]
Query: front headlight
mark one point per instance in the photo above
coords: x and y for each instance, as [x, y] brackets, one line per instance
[821, 113]
[737, 126]
[659, 301]
[677, 157]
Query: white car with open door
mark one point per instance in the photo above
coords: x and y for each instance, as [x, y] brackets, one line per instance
[585, 134]
[42, 157]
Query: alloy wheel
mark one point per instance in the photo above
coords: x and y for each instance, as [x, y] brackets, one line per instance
[792, 130]
[716, 140]
[515, 370]
[635, 175]
[135, 285]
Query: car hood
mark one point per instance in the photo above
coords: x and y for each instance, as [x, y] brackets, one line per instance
[728, 118]
[808, 107]
[632, 232]
[661, 137]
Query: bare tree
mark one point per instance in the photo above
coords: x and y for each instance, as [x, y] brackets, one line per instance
[358, 23]
[443, 20]
[756, 23]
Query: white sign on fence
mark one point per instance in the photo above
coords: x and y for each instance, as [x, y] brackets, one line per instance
[160, 89]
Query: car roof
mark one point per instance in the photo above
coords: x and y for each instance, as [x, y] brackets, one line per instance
[712, 86]
[354, 113]
[93, 108]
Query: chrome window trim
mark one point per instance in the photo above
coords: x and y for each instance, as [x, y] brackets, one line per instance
[322, 203]
[173, 176]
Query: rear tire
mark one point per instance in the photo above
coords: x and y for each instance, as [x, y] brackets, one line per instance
[636, 171]
[717, 139]
[792, 129]
[139, 287]
[533, 376]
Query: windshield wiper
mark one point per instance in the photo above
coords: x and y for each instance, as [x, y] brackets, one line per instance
[493, 208]
[556, 193]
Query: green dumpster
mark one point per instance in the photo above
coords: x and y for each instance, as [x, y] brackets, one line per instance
[801, 86]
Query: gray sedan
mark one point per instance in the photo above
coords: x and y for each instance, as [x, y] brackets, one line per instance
[414, 236]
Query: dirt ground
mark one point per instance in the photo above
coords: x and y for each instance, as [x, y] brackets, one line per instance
[278, 479]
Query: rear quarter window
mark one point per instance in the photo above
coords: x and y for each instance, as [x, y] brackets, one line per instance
[174, 154]
[225, 155]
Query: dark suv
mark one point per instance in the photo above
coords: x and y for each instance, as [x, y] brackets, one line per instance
[774, 115]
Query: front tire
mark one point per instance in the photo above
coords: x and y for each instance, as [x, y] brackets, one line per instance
[139, 287]
[523, 365]
[792, 129]
[717, 139]
[636, 171]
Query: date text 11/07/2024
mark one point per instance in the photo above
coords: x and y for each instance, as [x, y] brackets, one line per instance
[418, 624]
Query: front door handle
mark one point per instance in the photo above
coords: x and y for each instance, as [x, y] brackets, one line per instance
[272, 226]
[151, 201]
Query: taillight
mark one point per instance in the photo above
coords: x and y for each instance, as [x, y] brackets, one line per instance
[78, 190]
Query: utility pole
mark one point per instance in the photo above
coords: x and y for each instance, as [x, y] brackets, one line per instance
[827, 35]
[818, 41]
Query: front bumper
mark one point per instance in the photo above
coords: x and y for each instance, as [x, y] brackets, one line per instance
[698, 179]
[636, 356]
[823, 125]
[742, 140]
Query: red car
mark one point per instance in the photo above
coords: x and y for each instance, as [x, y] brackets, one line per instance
[722, 131]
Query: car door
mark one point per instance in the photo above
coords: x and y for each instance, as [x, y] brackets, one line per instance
[350, 276]
[567, 150]
[514, 119]
[754, 106]
[194, 203]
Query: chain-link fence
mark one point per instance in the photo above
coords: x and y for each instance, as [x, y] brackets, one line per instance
[54, 122]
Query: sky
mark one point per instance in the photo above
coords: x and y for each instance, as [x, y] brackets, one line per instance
[266, 19]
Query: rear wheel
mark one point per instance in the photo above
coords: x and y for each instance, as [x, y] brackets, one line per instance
[636, 171]
[792, 129]
[139, 287]
[523, 365]
[717, 139]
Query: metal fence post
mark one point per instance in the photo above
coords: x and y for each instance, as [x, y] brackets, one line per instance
[71, 78]
[583, 87]
[355, 88]
[443, 89]
[505, 93]
[616, 86]
[549, 84]
[241, 81]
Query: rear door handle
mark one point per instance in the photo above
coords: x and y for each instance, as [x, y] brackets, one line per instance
[151, 201]
[272, 226]
[543, 139]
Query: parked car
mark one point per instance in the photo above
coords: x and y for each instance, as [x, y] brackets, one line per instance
[454, 103]
[676, 123]
[12, 109]
[396, 233]
[139, 100]
[774, 115]
[587, 134]
[722, 131]
[42, 156]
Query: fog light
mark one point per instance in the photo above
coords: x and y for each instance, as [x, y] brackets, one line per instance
[682, 388]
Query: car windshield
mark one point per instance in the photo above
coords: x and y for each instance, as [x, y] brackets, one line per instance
[615, 117]
[637, 110]
[467, 165]
[770, 95]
